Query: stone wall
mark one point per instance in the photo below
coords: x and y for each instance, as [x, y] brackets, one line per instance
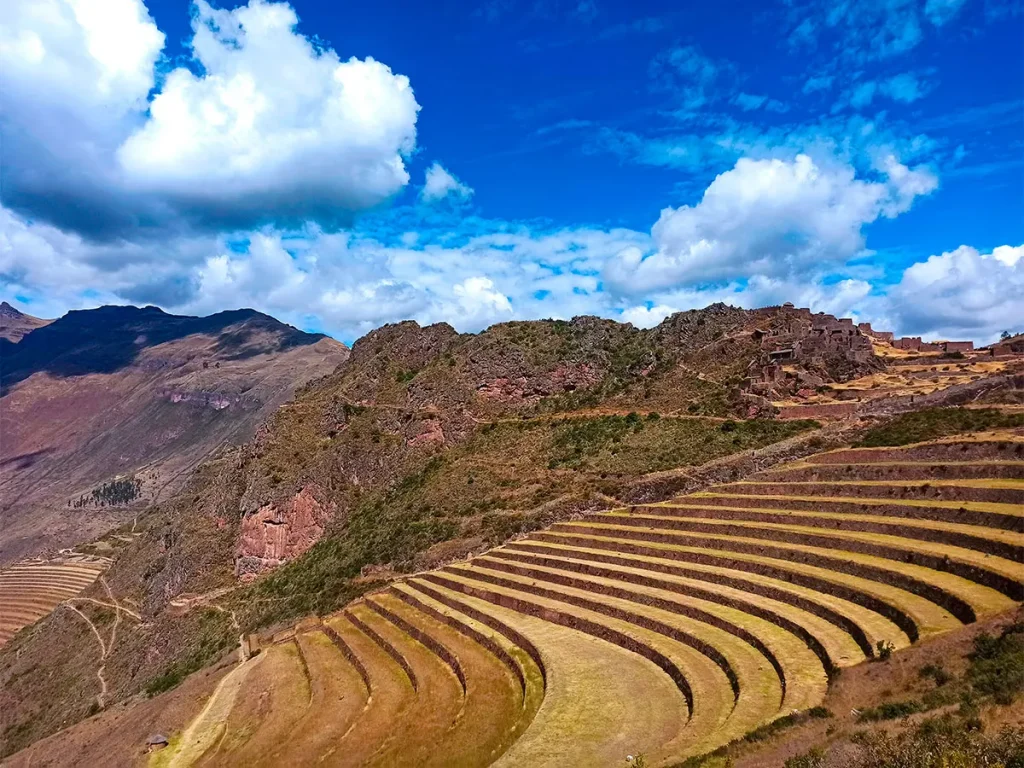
[957, 346]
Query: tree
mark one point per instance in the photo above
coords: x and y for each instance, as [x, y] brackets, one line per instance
[1005, 335]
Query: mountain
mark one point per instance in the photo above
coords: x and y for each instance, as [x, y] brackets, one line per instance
[14, 324]
[104, 411]
[427, 446]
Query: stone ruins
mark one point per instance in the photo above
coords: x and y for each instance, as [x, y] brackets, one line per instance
[803, 350]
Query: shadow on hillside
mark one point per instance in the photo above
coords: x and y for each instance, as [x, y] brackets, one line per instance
[24, 460]
[108, 339]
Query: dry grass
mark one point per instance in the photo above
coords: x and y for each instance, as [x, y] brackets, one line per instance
[901, 527]
[670, 629]
[841, 648]
[602, 702]
[391, 694]
[484, 715]
[983, 600]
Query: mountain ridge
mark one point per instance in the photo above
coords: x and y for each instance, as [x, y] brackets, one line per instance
[102, 394]
[15, 324]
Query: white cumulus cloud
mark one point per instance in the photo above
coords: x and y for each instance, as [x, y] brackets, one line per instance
[265, 124]
[773, 218]
[439, 183]
[965, 293]
[273, 124]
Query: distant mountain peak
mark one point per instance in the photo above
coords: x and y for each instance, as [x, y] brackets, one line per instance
[15, 324]
[6, 310]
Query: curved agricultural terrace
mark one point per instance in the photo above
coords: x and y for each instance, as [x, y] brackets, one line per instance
[29, 590]
[667, 629]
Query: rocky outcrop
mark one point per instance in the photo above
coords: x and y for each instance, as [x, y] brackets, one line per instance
[275, 534]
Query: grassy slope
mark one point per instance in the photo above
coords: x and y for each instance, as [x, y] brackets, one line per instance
[507, 478]
[356, 438]
[957, 700]
[932, 423]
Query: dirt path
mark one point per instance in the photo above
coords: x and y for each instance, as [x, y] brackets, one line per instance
[102, 695]
[206, 599]
[210, 724]
[106, 646]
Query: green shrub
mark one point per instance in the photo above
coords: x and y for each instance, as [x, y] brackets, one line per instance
[936, 673]
[997, 664]
[890, 711]
[944, 742]
[884, 649]
[214, 636]
[813, 759]
[932, 423]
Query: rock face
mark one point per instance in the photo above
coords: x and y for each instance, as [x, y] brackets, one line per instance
[273, 535]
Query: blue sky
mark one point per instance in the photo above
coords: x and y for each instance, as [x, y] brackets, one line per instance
[512, 160]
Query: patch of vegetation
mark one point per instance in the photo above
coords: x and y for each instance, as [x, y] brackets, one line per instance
[497, 484]
[932, 423]
[813, 759]
[891, 710]
[635, 446]
[996, 672]
[214, 636]
[936, 673]
[997, 665]
[721, 756]
[943, 742]
[884, 649]
[114, 493]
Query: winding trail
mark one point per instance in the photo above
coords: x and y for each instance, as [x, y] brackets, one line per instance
[106, 646]
[102, 695]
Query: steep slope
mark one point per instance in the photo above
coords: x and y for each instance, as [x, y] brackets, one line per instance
[670, 629]
[104, 411]
[424, 445]
[427, 446]
[14, 325]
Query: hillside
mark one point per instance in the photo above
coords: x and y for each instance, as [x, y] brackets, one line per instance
[428, 447]
[105, 411]
[730, 622]
[14, 325]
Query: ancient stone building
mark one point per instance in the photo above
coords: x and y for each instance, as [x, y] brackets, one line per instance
[957, 346]
[802, 351]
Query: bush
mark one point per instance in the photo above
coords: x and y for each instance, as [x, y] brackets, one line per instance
[936, 673]
[813, 759]
[932, 423]
[884, 649]
[890, 711]
[997, 664]
[943, 742]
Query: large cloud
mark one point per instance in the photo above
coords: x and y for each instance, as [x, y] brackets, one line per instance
[964, 293]
[74, 76]
[772, 218]
[274, 127]
[264, 125]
